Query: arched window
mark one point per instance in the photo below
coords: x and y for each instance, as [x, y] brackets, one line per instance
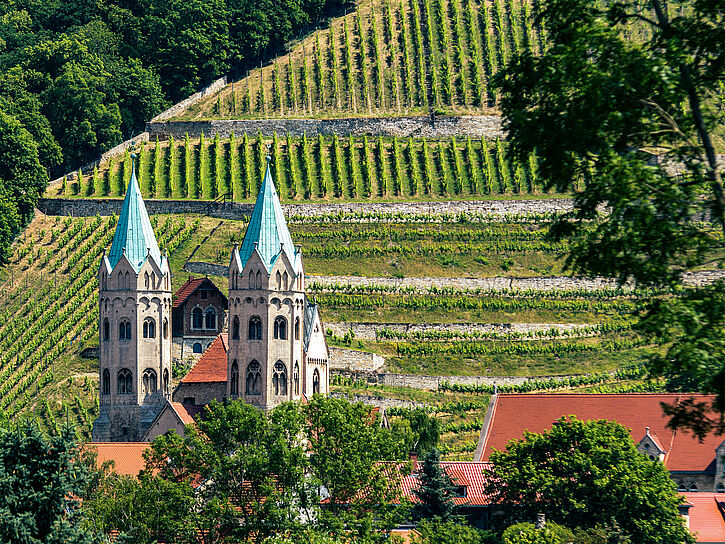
[127, 281]
[297, 328]
[279, 280]
[146, 280]
[124, 330]
[280, 328]
[254, 379]
[285, 281]
[681, 487]
[693, 488]
[255, 328]
[235, 328]
[125, 382]
[197, 318]
[258, 281]
[296, 378]
[148, 381]
[720, 488]
[279, 378]
[210, 319]
[106, 329]
[316, 382]
[166, 381]
[106, 382]
[149, 328]
[197, 347]
[234, 385]
[166, 328]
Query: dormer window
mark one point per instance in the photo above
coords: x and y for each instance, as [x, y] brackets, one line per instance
[459, 490]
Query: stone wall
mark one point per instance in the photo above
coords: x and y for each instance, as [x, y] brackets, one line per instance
[377, 401]
[206, 269]
[433, 382]
[355, 210]
[488, 126]
[354, 361]
[180, 107]
[182, 349]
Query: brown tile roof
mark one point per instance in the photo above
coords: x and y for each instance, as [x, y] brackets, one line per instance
[212, 366]
[185, 291]
[184, 411]
[463, 473]
[127, 456]
[512, 414]
[706, 516]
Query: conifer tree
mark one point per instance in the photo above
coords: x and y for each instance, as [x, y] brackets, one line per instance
[436, 491]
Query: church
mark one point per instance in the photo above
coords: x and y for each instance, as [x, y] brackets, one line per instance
[275, 345]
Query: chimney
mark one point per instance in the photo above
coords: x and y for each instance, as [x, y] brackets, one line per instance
[540, 521]
[646, 430]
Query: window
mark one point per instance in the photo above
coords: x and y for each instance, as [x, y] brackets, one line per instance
[720, 488]
[204, 294]
[255, 328]
[148, 381]
[279, 378]
[125, 382]
[459, 490]
[693, 488]
[234, 385]
[254, 379]
[166, 381]
[106, 330]
[124, 330]
[297, 328]
[106, 382]
[251, 279]
[189, 400]
[210, 319]
[166, 328]
[149, 328]
[681, 487]
[258, 282]
[197, 318]
[316, 382]
[279, 281]
[197, 347]
[280, 328]
[296, 378]
[235, 328]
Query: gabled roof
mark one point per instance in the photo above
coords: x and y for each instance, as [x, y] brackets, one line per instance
[134, 234]
[127, 456]
[212, 365]
[463, 473]
[267, 229]
[510, 415]
[190, 287]
[308, 322]
[707, 521]
[185, 412]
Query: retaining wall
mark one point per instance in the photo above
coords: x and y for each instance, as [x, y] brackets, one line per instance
[355, 361]
[488, 126]
[179, 107]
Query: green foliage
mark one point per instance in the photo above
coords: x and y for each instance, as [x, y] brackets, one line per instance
[436, 492]
[449, 532]
[527, 533]
[614, 483]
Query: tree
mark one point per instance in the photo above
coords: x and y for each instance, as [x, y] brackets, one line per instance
[587, 473]
[625, 108]
[41, 479]
[449, 532]
[423, 429]
[527, 533]
[436, 492]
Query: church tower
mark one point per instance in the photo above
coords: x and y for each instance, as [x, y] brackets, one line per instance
[134, 326]
[265, 364]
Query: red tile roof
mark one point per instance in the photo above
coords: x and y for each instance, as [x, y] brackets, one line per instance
[462, 473]
[512, 414]
[212, 366]
[184, 412]
[186, 290]
[706, 516]
[127, 456]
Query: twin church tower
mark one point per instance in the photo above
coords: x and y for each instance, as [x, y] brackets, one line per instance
[276, 349]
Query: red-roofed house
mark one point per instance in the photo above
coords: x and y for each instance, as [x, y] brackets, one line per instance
[127, 457]
[705, 516]
[174, 416]
[197, 316]
[693, 465]
[207, 379]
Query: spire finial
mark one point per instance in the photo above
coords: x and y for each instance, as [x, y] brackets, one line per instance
[269, 153]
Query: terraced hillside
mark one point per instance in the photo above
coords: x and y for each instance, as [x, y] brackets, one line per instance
[320, 169]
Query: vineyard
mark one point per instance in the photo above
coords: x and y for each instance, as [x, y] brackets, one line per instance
[315, 169]
[388, 56]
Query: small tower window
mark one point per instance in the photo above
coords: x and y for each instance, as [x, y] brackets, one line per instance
[280, 328]
[197, 347]
[720, 488]
[106, 382]
[106, 330]
[149, 328]
[149, 381]
[297, 328]
[251, 280]
[259, 280]
[210, 319]
[166, 381]
[285, 281]
[693, 488]
[255, 328]
[279, 378]
[235, 328]
[125, 382]
[234, 385]
[166, 328]
[296, 378]
[124, 330]
[316, 382]
[197, 318]
[254, 379]
[681, 487]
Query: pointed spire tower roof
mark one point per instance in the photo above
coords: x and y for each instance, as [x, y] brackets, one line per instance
[267, 229]
[134, 234]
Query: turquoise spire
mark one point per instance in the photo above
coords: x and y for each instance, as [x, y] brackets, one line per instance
[134, 234]
[267, 229]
